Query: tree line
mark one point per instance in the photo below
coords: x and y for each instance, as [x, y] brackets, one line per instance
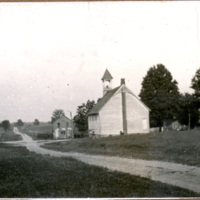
[161, 94]
[6, 125]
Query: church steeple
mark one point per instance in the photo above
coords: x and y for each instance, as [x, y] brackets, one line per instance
[107, 81]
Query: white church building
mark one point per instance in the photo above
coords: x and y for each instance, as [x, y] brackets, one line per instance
[119, 111]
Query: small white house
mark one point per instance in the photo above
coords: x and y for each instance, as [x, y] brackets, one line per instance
[118, 111]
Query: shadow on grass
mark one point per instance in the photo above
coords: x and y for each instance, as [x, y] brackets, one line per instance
[25, 174]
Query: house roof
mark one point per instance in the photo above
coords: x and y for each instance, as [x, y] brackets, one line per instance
[103, 101]
[107, 76]
[62, 117]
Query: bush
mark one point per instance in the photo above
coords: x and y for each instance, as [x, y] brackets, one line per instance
[81, 134]
[9, 136]
[36, 122]
[6, 125]
[19, 122]
[44, 136]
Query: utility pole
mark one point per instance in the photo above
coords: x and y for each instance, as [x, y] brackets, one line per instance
[72, 124]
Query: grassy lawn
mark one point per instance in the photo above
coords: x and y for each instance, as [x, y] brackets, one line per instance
[25, 174]
[38, 132]
[9, 136]
[179, 147]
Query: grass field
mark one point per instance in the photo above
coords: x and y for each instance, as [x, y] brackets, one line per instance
[9, 136]
[25, 174]
[37, 132]
[179, 147]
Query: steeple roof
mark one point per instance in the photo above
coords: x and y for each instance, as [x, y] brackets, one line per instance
[107, 76]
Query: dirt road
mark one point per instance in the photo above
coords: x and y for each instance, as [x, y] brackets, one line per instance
[171, 173]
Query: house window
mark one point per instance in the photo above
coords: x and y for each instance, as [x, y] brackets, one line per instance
[63, 131]
[93, 118]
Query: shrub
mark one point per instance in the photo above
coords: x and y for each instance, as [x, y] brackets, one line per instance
[45, 136]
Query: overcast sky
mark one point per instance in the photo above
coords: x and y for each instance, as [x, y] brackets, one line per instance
[53, 55]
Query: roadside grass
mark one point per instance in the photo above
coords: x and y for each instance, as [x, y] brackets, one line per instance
[29, 175]
[173, 146]
[9, 136]
[38, 132]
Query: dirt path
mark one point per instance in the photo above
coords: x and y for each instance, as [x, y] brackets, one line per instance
[171, 173]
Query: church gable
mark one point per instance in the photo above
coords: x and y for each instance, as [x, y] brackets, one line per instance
[128, 91]
[103, 101]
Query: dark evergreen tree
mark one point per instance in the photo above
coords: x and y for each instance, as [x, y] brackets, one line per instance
[196, 95]
[81, 118]
[196, 87]
[196, 83]
[161, 94]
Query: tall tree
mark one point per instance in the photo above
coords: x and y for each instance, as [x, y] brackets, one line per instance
[36, 122]
[5, 124]
[57, 114]
[196, 87]
[161, 94]
[196, 83]
[81, 118]
[188, 114]
[19, 122]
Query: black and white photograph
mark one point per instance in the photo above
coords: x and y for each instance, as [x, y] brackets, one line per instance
[100, 99]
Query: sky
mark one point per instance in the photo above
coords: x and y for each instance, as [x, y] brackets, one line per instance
[54, 54]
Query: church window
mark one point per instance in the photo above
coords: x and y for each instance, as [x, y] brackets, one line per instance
[144, 124]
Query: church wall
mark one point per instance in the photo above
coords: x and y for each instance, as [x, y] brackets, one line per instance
[111, 116]
[137, 115]
[93, 124]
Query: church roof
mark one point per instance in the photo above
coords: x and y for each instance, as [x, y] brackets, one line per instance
[103, 101]
[95, 110]
[107, 76]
